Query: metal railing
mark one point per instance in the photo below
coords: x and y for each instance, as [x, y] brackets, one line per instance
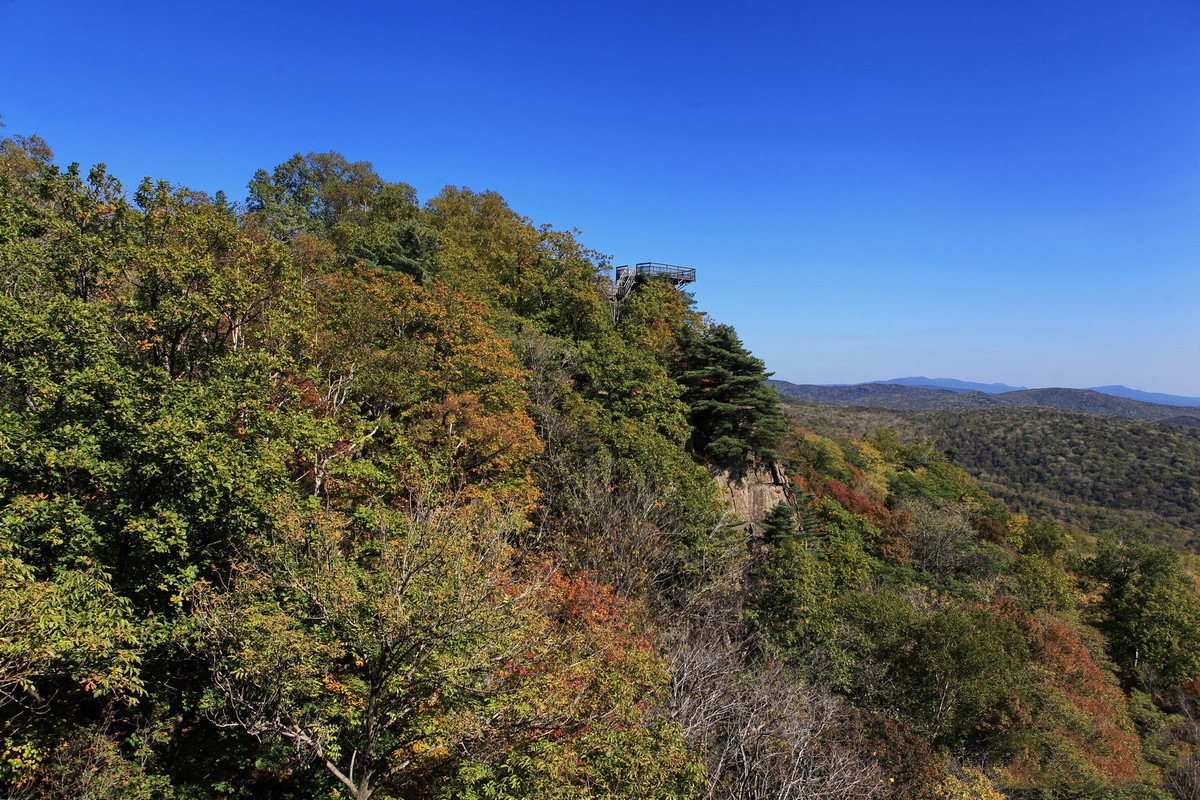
[651, 269]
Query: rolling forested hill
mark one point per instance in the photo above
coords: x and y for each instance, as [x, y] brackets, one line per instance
[1089, 470]
[886, 395]
[900, 397]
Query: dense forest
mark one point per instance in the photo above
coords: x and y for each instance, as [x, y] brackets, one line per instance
[334, 492]
[1091, 471]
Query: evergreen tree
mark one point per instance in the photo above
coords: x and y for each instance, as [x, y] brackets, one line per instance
[780, 523]
[734, 413]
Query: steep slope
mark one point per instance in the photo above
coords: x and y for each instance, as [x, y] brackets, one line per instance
[953, 622]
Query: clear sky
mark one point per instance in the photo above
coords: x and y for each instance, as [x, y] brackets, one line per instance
[991, 190]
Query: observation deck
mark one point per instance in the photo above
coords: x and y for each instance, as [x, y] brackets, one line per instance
[627, 276]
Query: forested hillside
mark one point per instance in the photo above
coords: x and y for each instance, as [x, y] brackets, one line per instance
[913, 398]
[1092, 471]
[340, 493]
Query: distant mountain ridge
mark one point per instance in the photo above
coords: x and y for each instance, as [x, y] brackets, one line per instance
[887, 395]
[955, 385]
[1149, 397]
[915, 398]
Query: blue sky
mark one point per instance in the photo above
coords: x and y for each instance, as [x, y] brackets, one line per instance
[992, 190]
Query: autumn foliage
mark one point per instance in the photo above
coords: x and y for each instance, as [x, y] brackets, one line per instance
[342, 493]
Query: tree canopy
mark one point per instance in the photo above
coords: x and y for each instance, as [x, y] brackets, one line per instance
[341, 494]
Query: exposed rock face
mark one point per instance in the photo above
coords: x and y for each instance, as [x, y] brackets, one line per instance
[753, 488]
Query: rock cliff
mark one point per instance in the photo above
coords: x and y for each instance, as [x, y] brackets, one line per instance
[753, 488]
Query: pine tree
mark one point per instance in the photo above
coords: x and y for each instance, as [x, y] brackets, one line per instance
[734, 413]
[780, 523]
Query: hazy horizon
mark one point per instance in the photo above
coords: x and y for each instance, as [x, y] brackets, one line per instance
[1016, 386]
